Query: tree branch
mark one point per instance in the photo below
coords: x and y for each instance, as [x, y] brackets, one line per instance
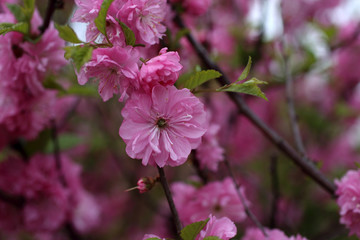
[52, 6]
[248, 212]
[291, 107]
[301, 161]
[170, 200]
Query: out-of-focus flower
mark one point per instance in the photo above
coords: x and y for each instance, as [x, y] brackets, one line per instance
[273, 234]
[348, 192]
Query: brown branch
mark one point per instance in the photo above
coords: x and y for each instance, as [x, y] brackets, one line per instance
[291, 107]
[275, 190]
[248, 212]
[170, 200]
[52, 6]
[301, 161]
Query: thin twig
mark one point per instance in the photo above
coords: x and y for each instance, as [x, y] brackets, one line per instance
[52, 6]
[248, 212]
[170, 200]
[301, 161]
[291, 107]
[275, 190]
[57, 156]
[200, 172]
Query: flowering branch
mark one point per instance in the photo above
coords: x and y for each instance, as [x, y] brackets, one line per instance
[277, 140]
[52, 6]
[170, 200]
[248, 212]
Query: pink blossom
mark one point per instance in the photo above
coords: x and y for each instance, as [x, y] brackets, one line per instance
[348, 192]
[144, 17]
[152, 236]
[116, 69]
[163, 69]
[223, 228]
[217, 198]
[210, 153]
[198, 7]
[273, 234]
[163, 127]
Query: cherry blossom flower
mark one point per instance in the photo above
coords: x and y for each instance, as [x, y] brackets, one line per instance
[116, 69]
[160, 70]
[223, 228]
[217, 198]
[144, 17]
[273, 234]
[163, 127]
[348, 192]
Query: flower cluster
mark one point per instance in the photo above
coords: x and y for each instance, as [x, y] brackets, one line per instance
[45, 203]
[273, 234]
[25, 104]
[348, 192]
[218, 198]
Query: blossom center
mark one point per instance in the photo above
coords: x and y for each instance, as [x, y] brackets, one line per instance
[161, 123]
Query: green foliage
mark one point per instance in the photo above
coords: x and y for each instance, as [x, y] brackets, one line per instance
[17, 11]
[199, 78]
[192, 230]
[22, 27]
[67, 33]
[129, 34]
[246, 71]
[79, 54]
[23, 13]
[66, 141]
[212, 238]
[100, 21]
[248, 87]
[153, 239]
[50, 83]
[84, 91]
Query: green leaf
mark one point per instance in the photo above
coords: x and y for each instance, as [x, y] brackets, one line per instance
[17, 11]
[79, 54]
[100, 20]
[153, 238]
[192, 230]
[14, 27]
[66, 141]
[67, 33]
[212, 238]
[28, 10]
[50, 83]
[201, 77]
[248, 87]
[129, 34]
[84, 91]
[246, 71]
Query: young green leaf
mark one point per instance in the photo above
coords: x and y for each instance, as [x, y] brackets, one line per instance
[28, 9]
[212, 238]
[248, 87]
[201, 77]
[50, 83]
[100, 20]
[83, 91]
[79, 54]
[14, 27]
[129, 34]
[17, 11]
[246, 71]
[192, 230]
[67, 33]
[154, 238]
